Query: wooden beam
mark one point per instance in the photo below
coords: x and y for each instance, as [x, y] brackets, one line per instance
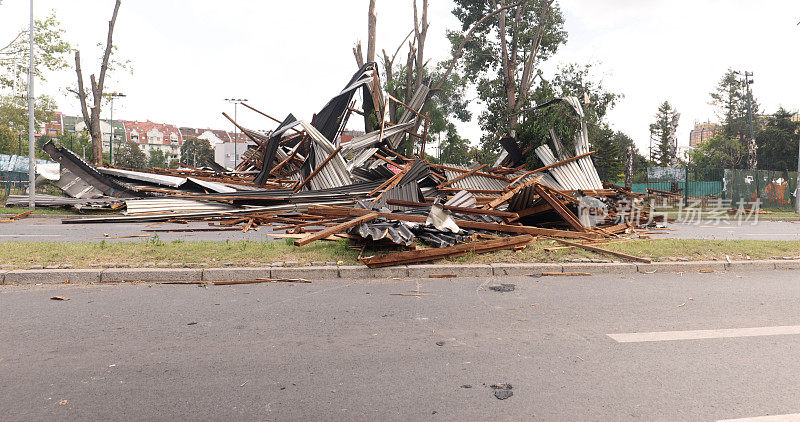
[560, 208]
[316, 170]
[462, 176]
[548, 167]
[424, 255]
[459, 210]
[335, 229]
[605, 251]
[504, 228]
[508, 195]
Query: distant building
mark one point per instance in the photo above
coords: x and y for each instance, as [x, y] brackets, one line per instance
[74, 125]
[348, 135]
[150, 136]
[703, 132]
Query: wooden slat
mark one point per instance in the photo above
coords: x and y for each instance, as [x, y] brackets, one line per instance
[462, 176]
[508, 195]
[424, 255]
[605, 251]
[562, 210]
[316, 170]
[460, 210]
[335, 229]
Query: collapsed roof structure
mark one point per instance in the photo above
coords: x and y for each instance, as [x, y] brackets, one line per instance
[303, 182]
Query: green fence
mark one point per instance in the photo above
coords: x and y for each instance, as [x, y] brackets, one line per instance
[775, 189]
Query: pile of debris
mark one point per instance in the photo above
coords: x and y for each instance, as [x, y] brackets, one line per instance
[305, 184]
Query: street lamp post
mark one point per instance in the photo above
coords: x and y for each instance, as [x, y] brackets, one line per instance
[111, 137]
[235, 102]
[31, 141]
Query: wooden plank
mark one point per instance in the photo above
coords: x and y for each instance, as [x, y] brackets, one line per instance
[424, 255]
[508, 195]
[548, 167]
[460, 170]
[605, 251]
[504, 228]
[459, 210]
[335, 229]
[316, 170]
[562, 210]
[462, 176]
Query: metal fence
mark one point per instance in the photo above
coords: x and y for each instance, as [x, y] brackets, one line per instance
[16, 183]
[709, 187]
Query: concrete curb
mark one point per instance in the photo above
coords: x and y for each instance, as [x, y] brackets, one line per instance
[360, 272]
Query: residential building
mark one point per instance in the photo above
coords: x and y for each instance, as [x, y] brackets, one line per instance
[224, 153]
[74, 124]
[151, 136]
[703, 132]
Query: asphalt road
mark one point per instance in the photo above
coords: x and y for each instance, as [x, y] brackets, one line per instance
[51, 230]
[353, 350]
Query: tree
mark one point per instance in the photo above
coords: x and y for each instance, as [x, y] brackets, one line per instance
[10, 141]
[639, 162]
[778, 142]
[78, 143]
[91, 115]
[721, 151]
[49, 51]
[197, 152]
[455, 149]
[664, 132]
[730, 101]
[571, 80]
[129, 155]
[501, 53]
[14, 112]
[158, 158]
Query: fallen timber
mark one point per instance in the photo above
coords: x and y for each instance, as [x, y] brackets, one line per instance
[304, 181]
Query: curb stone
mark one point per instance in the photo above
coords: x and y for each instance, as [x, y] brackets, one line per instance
[152, 274]
[364, 272]
[503, 269]
[52, 276]
[600, 268]
[360, 272]
[466, 270]
[676, 267]
[236, 274]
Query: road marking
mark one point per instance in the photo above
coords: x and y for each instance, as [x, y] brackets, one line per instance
[771, 418]
[705, 334]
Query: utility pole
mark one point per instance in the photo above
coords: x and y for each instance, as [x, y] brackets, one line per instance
[111, 136]
[31, 141]
[752, 147]
[235, 102]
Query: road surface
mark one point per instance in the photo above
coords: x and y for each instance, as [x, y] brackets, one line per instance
[618, 347]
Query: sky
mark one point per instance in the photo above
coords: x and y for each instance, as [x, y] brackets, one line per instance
[292, 57]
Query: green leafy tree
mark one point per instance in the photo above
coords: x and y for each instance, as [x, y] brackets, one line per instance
[50, 50]
[573, 80]
[640, 163]
[79, 143]
[721, 151]
[663, 132]
[129, 155]
[778, 142]
[197, 152]
[14, 113]
[730, 101]
[502, 55]
[158, 158]
[455, 149]
[10, 141]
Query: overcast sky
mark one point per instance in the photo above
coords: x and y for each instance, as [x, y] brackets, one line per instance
[188, 56]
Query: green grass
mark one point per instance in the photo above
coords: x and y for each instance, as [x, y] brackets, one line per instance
[88, 254]
[53, 211]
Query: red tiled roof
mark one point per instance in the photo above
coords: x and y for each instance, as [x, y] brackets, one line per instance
[143, 127]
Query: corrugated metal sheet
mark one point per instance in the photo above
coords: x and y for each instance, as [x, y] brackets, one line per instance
[335, 172]
[172, 205]
[473, 181]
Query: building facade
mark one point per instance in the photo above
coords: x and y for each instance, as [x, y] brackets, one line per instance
[703, 132]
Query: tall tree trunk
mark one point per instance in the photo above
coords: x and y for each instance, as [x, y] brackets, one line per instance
[629, 167]
[372, 22]
[92, 120]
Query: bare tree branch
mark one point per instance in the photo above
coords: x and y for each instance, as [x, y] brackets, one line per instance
[467, 37]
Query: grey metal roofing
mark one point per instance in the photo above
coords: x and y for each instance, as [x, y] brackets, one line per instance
[473, 181]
